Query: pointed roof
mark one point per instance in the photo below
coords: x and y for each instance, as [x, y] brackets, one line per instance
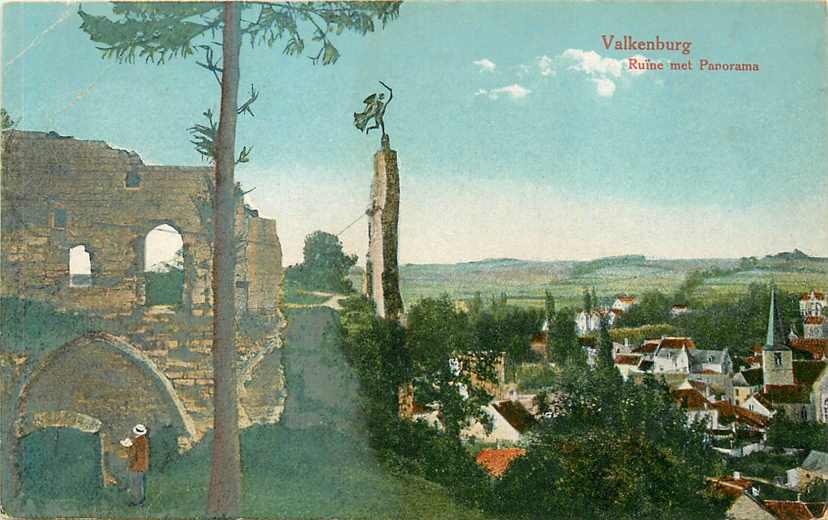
[771, 342]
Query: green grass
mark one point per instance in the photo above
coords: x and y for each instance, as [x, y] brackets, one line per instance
[534, 376]
[295, 295]
[316, 463]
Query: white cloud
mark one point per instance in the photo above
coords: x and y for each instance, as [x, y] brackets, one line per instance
[514, 91]
[485, 64]
[546, 66]
[602, 71]
[590, 62]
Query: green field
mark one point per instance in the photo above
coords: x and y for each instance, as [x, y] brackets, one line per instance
[525, 281]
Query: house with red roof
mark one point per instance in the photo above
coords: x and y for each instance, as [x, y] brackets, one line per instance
[673, 357]
[497, 461]
[796, 510]
[816, 347]
[813, 303]
[696, 406]
[814, 327]
[624, 302]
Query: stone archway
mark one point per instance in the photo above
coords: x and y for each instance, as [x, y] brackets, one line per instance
[95, 354]
[98, 383]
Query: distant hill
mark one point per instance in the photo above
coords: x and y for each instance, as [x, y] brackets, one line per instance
[525, 281]
[796, 254]
[582, 268]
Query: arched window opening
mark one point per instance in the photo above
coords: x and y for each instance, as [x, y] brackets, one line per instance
[164, 266]
[133, 178]
[80, 267]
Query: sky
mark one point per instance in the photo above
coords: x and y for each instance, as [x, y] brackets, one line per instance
[518, 133]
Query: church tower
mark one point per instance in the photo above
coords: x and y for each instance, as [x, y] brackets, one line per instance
[777, 358]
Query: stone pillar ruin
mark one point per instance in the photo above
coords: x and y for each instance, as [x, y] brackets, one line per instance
[382, 279]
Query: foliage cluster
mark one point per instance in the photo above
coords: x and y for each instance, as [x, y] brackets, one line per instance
[787, 433]
[767, 465]
[615, 449]
[325, 266]
[382, 354]
[563, 339]
[505, 328]
[652, 307]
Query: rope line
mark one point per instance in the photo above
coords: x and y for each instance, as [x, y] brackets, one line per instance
[351, 224]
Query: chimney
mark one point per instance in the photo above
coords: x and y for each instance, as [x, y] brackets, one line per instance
[627, 342]
[737, 475]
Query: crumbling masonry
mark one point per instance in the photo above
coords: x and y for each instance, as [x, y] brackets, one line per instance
[382, 278]
[59, 193]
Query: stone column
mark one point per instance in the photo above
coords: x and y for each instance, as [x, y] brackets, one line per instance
[382, 273]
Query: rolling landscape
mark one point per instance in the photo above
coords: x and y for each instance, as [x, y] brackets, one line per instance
[524, 281]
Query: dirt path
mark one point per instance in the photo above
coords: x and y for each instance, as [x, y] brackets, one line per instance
[332, 302]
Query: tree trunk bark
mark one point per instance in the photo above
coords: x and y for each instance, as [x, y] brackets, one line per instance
[225, 479]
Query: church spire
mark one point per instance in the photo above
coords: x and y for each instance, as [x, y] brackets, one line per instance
[771, 341]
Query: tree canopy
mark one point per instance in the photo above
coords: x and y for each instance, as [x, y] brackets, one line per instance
[653, 307]
[446, 362]
[563, 338]
[325, 266]
[613, 450]
[159, 31]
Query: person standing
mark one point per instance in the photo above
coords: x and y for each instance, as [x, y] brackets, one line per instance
[138, 464]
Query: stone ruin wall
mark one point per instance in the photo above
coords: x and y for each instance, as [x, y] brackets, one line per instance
[45, 175]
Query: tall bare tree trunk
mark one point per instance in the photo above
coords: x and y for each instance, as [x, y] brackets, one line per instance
[225, 479]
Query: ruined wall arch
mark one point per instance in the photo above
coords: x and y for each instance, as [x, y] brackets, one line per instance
[104, 377]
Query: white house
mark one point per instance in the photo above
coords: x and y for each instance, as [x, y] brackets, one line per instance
[623, 303]
[813, 303]
[671, 360]
[696, 406]
[710, 361]
[510, 420]
[756, 403]
[679, 309]
[814, 327]
[815, 466]
[587, 322]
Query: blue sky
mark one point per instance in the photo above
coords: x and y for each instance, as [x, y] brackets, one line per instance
[518, 134]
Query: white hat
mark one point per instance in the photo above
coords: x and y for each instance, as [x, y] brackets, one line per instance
[126, 443]
[139, 430]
